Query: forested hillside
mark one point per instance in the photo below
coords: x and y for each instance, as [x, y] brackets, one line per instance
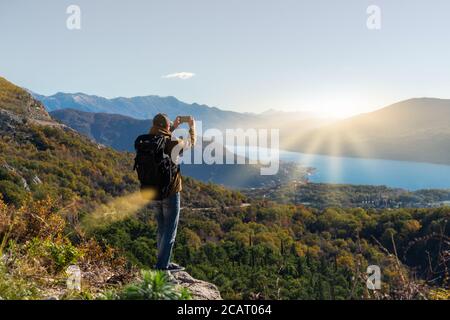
[271, 251]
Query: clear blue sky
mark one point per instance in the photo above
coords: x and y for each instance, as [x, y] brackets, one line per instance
[247, 55]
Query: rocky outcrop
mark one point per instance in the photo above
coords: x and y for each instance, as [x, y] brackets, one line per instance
[101, 278]
[36, 180]
[20, 102]
[200, 290]
[11, 122]
[19, 108]
[36, 110]
[15, 173]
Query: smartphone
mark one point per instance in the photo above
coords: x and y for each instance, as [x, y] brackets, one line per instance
[185, 119]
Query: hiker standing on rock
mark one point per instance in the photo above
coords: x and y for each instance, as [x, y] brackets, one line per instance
[159, 173]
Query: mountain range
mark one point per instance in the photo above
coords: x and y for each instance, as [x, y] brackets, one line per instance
[411, 130]
[146, 107]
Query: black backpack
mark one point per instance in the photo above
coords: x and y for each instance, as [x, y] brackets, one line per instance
[156, 170]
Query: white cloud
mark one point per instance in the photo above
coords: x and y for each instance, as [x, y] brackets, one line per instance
[180, 75]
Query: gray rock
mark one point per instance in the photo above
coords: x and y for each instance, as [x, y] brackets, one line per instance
[14, 172]
[36, 180]
[25, 184]
[8, 167]
[200, 290]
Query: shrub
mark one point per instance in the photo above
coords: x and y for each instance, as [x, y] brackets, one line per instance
[55, 255]
[14, 288]
[12, 193]
[154, 285]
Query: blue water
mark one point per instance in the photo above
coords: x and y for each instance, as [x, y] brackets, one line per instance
[343, 170]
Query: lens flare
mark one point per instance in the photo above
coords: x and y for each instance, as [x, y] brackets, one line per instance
[118, 209]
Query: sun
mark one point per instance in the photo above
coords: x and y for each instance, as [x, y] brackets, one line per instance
[337, 106]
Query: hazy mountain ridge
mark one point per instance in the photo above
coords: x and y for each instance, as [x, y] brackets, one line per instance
[146, 107]
[113, 130]
[411, 130]
[143, 107]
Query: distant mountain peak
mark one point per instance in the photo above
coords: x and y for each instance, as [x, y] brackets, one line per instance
[144, 107]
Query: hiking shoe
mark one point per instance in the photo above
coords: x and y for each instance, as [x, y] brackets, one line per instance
[173, 267]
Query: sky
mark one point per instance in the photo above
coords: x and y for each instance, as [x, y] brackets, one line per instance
[241, 55]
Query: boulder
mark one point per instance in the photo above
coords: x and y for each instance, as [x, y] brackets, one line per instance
[200, 290]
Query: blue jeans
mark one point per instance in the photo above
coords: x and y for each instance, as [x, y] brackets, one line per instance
[167, 216]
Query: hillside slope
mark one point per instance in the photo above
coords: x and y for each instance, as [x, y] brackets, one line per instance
[411, 130]
[18, 101]
[113, 130]
[67, 164]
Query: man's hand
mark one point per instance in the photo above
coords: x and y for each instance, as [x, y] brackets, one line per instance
[177, 122]
[192, 131]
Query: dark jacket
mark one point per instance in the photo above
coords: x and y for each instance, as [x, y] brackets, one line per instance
[172, 143]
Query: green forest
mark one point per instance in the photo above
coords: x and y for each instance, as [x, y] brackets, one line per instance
[271, 251]
[321, 196]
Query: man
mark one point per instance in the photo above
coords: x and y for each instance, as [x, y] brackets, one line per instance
[168, 208]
